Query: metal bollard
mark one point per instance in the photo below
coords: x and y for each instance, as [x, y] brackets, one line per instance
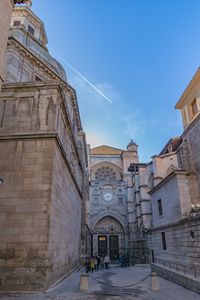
[154, 284]
[84, 282]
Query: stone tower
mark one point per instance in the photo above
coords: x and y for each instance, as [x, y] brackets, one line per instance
[130, 156]
[6, 8]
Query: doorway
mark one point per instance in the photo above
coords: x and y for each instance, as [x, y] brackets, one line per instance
[114, 247]
[102, 245]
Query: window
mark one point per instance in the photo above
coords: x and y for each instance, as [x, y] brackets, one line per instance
[16, 23]
[160, 210]
[164, 245]
[152, 256]
[194, 107]
[31, 30]
[105, 173]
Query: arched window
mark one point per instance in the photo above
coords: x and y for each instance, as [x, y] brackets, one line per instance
[105, 173]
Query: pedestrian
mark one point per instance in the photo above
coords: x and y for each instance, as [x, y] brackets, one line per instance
[87, 265]
[98, 262]
[95, 263]
[92, 264]
[102, 263]
[106, 261]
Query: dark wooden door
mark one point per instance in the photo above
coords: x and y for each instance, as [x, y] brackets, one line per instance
[102, 245]
[114, 246]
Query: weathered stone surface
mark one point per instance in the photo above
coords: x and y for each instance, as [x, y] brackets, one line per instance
[6, 7]
[41, 198]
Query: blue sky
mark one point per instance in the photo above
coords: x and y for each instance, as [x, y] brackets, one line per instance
[140, 53]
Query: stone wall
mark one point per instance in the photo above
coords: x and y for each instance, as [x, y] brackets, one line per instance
[192, 160]
[25, 213]
[6, 7]
[182, 256]
[41, 198]
[65, 220]
[173, 192]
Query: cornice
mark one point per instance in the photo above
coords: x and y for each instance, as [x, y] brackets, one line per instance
[37, 60]
[44, 85]
[179, 222]
[172, 174]
[183, 98]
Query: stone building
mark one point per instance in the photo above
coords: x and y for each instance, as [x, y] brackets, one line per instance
[111, 211]
[171, 181]
[43, 162]
[6, 8]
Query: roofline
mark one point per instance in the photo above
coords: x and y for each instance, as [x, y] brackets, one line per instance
[187, 89]
[106, 146]
[34, 17]
[168, 177]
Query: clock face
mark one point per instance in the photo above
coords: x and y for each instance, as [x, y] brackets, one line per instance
[107, 196]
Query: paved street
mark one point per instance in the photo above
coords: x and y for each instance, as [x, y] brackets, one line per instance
[100, 287]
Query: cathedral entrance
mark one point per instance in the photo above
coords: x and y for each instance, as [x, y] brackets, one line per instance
[108, 238]
[102, 245]
[114, 246]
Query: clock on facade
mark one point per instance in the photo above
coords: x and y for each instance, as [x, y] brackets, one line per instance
[107, 196]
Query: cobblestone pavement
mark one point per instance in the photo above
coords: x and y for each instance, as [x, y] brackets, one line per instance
[100, 288]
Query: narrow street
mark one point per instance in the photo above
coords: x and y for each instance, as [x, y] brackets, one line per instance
[101, 287]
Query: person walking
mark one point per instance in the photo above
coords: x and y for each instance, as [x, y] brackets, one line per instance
[92, 264]
[101, 263]
[87, 265]
[106, 261]
[98, 262]
[95, 263]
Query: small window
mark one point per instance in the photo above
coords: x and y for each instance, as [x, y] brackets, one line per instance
[17, 23]
[164, 245]
[194, 107]
[160, 210]
[31, 30]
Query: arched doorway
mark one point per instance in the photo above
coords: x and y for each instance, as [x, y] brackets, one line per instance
[108, 238]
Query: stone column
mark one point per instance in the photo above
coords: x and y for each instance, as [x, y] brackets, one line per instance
[6, 8]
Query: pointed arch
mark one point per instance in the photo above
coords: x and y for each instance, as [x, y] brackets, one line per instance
[106, 171]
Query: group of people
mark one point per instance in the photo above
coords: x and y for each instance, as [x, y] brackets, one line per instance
[96, 263]
[124, 260]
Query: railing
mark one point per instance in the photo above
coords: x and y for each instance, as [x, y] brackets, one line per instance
[185, 269]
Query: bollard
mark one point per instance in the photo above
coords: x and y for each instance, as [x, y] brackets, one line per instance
[154, 284]
[84, 282]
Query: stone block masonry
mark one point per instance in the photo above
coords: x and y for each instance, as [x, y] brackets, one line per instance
[41, 198]
[6, 7]
[180, 261]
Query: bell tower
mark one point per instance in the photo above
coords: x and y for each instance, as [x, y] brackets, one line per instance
[130, 156]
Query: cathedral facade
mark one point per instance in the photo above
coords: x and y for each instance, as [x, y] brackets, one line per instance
[111, 211]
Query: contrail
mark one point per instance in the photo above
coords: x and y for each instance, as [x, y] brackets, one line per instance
[83, 77]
